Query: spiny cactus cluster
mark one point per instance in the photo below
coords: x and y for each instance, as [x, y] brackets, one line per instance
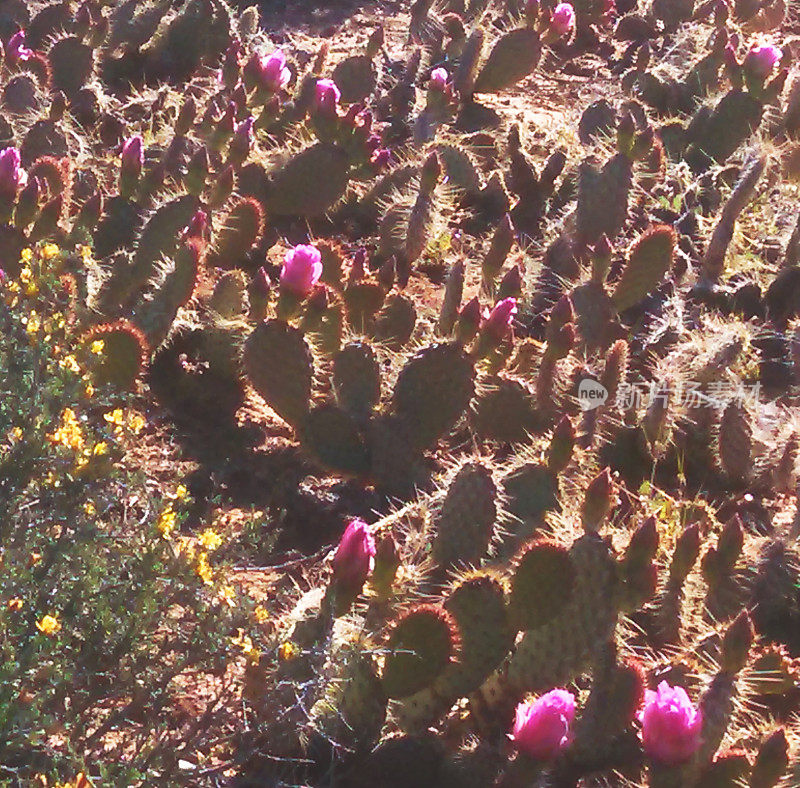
[554, 407]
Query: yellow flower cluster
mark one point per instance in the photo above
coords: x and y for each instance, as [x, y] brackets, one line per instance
[288, 651]
[227, 595]
[70, 364]
[166, 522]
[121, 421]
[210, 539]
[69, 434]
[203, 569]
[49, 251]
[48, 625]
[245, 643]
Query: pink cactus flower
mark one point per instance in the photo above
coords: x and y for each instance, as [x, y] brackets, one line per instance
[355, 556]
[12, 176]
[671, 725]
[275, 74]
[762, 59]
[542, 727]
[439, 78]
[302, 268]
[16, 51]
[327, 95]
[500, 319]
[563, 20]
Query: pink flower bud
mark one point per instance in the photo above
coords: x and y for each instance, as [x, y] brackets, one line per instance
[439, 77]
[761, 60]
[542, 727]
[468, 321]
[381, 158]
[197, 227]
[133, 156]
[244, 130]
[355, 556]
[302, 268]
[16, 51]
[671, 725]
[12, 176]
[500, 319]
[261, 283]
[563, 20]
[327, 96]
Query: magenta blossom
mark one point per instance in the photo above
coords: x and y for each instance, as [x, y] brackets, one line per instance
[439, 77]
[355, 556]
[302, 268]
[274, 75]
[12, 176]
[16, 51]
[327, 95]
[563, 20]
[671, 725]
[761, 60]
[542, 727]
[500, 319]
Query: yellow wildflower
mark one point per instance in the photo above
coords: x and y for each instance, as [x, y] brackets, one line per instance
[245, 643]
[166, 522]
[14, 604]
[227, 595]
[203, 569]
[90, 508]
[181, 492]
[69, 363]
[210, 539]
[100, 449]
[48, 625]
[136, 424]
[49, 251]
[261, 614]
[86, 253]
[88, 390]
[25, 275]
[26, 255]
[69, 434]
[15, 434]
[288, 651]
[115, 416]
[97, 347]
[33, 324]
[34, 559]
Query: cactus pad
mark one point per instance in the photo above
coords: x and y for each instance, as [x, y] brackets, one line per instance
[279, 364]
[433, 391]
[356, 379]
[420, 645]
[465, 523]
[650, 259]
[333, 438]
[541, 585]
[515, 55]
[310, 183]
